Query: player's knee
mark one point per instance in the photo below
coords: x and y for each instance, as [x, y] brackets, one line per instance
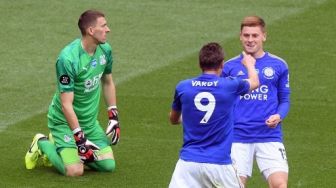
[278, 185]
[278, 180]
[243, 180]
[74, 170]
[109, 165]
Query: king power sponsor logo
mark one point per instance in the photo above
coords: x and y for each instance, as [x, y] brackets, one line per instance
[259, 94]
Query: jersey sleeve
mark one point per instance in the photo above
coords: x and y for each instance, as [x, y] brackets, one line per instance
[283, 94]
[283, 84]
[177, 106]
[65, 75]
[243, 86]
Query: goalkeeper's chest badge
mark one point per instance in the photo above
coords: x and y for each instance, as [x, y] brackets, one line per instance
[102, 60]
[67, 138]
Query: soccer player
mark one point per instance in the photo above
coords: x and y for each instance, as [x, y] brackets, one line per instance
[83, 69]
[258, 115]
[206, 104]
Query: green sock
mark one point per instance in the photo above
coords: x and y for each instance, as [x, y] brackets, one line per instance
[107, 165]
[50, 150]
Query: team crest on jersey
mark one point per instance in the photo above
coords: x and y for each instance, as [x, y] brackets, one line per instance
[102, 60]
[268, 72]
[94, 63]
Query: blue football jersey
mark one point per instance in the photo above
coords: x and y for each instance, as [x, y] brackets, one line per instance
[206, 104]
[254, 108]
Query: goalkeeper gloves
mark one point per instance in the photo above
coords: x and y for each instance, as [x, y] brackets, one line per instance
[85, 147]
[113, 129]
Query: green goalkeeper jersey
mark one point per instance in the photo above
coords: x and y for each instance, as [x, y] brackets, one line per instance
[80, 73]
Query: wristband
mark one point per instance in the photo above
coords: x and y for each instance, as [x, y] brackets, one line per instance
[112, 107]
[76, 130]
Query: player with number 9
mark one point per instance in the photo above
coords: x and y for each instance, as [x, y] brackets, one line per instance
[206, 103]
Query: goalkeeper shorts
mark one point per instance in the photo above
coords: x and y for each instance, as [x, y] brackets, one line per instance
[70, 155]
[63, 136]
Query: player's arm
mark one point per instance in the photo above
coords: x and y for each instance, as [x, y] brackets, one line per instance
[249, 62]
[65, 82]
[109, 90]
[67, 108]
[284, 101]
[282, 111]
[85, 147]
[283, 94]
[65, 74]
[113, 128]
[175, 117]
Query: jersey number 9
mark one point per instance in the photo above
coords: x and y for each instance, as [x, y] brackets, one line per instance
[208, 108]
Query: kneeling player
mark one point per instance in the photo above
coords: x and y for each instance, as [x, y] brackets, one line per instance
[83, 69]
[68, 150]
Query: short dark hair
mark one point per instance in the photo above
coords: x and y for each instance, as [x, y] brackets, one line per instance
[211, 56]
[87, 19]
[252, 21]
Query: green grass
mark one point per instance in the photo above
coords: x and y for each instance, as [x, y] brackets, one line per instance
[155, 45]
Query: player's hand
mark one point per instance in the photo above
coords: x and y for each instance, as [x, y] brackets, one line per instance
[273, 121]
[85, 147]
[113, 128]
[248, 60]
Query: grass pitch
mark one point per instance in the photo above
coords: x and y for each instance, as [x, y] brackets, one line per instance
[155, 45]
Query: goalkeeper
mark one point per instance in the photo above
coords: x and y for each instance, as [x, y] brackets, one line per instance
[83, 69]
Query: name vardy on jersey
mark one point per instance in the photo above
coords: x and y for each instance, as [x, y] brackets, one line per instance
[203, 83]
